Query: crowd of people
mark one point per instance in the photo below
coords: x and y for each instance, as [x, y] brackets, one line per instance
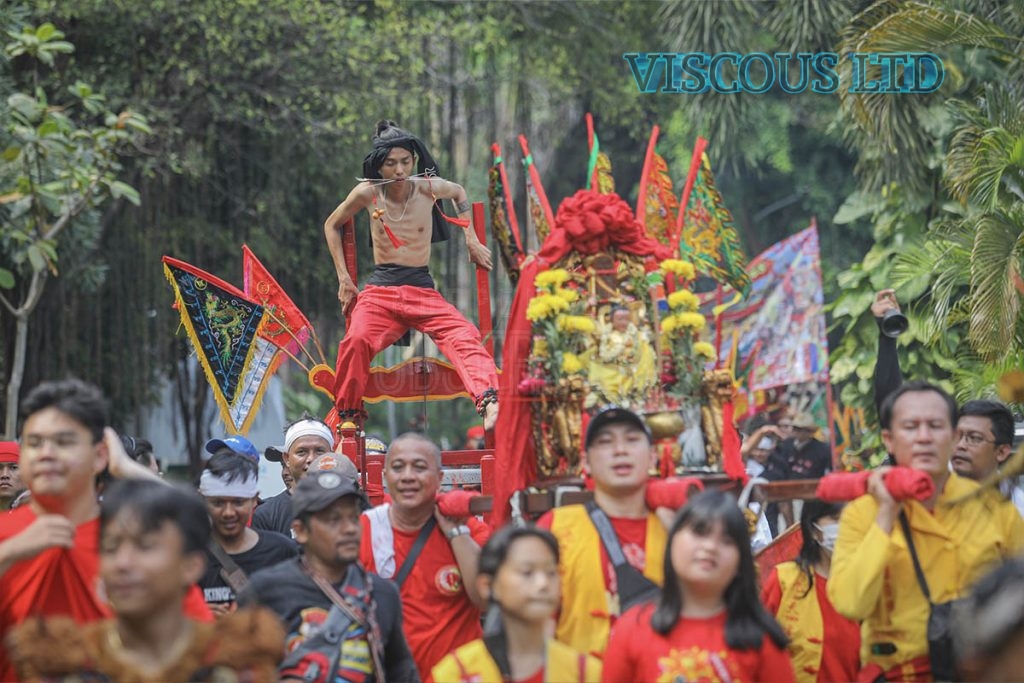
[107, 570]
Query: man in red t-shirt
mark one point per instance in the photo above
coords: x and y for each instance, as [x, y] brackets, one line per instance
[440, 605]
[49, 558]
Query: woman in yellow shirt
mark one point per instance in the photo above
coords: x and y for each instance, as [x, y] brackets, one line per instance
[825, 646]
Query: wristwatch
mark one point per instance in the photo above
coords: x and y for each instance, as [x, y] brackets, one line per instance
[460, 530]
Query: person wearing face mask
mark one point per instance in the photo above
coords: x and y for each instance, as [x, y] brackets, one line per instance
[824, 645]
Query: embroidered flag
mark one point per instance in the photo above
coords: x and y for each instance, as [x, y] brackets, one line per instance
[504, 225]
[221, 323]
[540, 210]
[285, 326]
[657, 206]
[704, 227]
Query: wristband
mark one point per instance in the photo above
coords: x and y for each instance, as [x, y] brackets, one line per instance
[456, 531]
[462, 207]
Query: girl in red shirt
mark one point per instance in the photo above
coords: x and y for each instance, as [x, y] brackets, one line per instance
[825, 645]
[708, 623]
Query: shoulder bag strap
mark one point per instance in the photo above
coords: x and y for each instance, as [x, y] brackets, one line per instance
[367, 618]
[414, 552]
[234, 575]
[905, 524]
[607, 534]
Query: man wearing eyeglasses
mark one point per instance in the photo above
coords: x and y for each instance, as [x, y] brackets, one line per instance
[984, 438]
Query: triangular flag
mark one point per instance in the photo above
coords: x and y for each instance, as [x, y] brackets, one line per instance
[221, 323]
[504, 225]
[657, 207]
[704, 228]
[540, 210]
[285, 327]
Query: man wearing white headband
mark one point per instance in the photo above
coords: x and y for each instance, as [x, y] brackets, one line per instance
[304, 441]
[229, 486]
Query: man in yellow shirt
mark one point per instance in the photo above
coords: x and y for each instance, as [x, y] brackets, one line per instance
[873, 578]
[619, 457]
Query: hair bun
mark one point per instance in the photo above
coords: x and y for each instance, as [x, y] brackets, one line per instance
[382, 126]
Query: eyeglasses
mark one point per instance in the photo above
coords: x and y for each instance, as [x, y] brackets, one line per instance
[973, 438]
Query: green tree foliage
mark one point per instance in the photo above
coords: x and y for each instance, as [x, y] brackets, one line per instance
[60, 160]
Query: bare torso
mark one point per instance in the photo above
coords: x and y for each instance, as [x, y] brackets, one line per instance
[406, 208]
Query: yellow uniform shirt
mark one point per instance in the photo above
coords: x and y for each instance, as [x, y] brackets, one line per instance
[472, 663]
[873, 580]
[587, 606]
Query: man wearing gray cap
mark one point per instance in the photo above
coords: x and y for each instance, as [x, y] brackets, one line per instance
[304, 441]
[343, 622]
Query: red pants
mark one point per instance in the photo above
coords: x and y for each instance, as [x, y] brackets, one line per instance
[383, 314]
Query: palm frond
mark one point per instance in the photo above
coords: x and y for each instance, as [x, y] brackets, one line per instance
[985, 160]
[889, 131]
[996, 260]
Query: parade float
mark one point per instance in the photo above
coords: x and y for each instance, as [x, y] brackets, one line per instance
[604, 313]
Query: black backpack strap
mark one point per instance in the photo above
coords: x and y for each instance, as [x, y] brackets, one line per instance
[921, 581]
[414, 552]
[607, 534]
[633, 586]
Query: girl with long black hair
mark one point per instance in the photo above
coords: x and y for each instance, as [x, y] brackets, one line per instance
[708, 623]
[519, 577]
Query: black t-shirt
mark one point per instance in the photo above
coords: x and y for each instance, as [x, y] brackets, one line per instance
[288, 591]
[810, 462]
[270, 549]
[275, 514]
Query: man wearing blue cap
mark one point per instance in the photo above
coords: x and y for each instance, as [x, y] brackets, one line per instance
[229, 484]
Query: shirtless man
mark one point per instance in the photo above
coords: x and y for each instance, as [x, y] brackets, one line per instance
[400, 294]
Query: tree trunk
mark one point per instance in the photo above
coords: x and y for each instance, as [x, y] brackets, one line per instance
[17, 373]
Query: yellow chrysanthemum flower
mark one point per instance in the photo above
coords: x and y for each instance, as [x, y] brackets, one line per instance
[704, 349]
[545, 306]
[537, 310]
[575, 323]
[694, 321]
[669, 323]
[684, 298]
[571, 363]
[683, 269]
[570, 295]
[556, 277]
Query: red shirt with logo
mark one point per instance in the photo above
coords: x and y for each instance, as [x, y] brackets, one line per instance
[60, 582]
[694, 650]
[437, 613]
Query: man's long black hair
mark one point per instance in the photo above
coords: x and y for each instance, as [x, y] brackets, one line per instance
[746, 621]
[387, 135]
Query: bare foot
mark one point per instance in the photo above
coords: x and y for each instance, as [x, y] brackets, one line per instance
[490, 415]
